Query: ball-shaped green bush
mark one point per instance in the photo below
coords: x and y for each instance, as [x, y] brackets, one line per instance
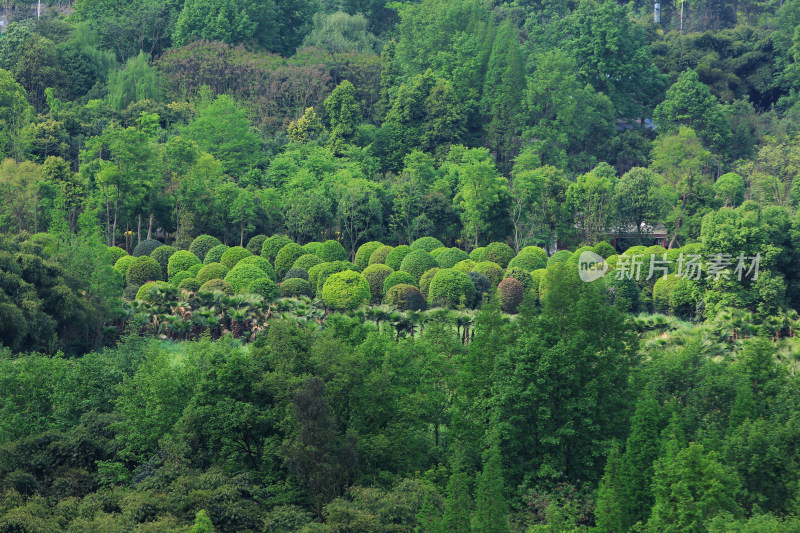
[260, 262]
[478, 254]
[313, 275]
[143, 269]
[233, 255]
[417, 263]
[181, 260]
[180, 276]
[162, 255]
[114, 253]
[396, 256]
[662, 293]
[483, 287]
[452, 289]
[306, 261]
[211, 271]
[379, 256]
[331, 250]
[123, 263]
[296, 273]
[215, 254]
[396, 278]
[425, 280]
[427, 244]
[216, 285]
[465, 266]
[295, 288]
[535, 250]
[604, 249]
[146, 247]
[264, 287]
[529, 262]
[345, 290]
[521, 275]
[561, 256]
[449, 257]
[331, 267]
[202, 244]
[255, 244]
[405, 298]
[190, 285]
[311, 247]
[500, 253]
[493, 271]
[364, 252]
[273, 245]
[242, 276]
[511, 294]
[286, 258]
[194, 269]
[375, 275]
[147, 292]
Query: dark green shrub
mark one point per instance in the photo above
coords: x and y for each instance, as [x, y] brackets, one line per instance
[260, 262]
[202, 244]
[147, 292]
[128, 293]
[306, 261]
[194, 269]
[425, 280]
[216, 285]
[511, 294]
[114, 253]
[190, 285]
[286, 258]
[537, 276]
[345, 290]
[499, 252]
[405, 298]
[529, 262]
[212, 271]
[449, 257]
[331, 267]
[535, 250]
[273, 245]
[561, 256]
[483, 287]
[465, 266]
[622, 293]
[493, 271]
[478, 254]
[521, 275]
[123, 263]
[427, 244]
[451, 288]
[417, 263]
[379, 256]
[146, 247]
[396, 256]
[396, 278]
[375, 275]
[180, 276]
[264, 287]
[364, 252]
[233, 256]
[215, 254]
[242, 276]
[604, 250]
[255, 244]
[295, 288]
[162, 255]
[181, 260]
[296, 273]
[143, 269]
[331, 250]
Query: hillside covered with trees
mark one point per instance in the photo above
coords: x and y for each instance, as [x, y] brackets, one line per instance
[437, 266]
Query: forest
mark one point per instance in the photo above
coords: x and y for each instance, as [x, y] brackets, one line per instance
[430, 266]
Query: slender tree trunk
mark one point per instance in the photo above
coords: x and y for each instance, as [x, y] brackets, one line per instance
[36, 214]
[150, 227]
[108, 222]
[139, 230]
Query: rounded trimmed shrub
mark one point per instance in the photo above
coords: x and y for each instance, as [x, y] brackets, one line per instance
[500, 253]
[234, 255]
[396, 256]
[435, 253]
[331, 250]
[306, 261]
[215, 254]
[378, 257]
[162, 255]
[511, 294]
[449, 257]
[405, 298]
[313, 275]
[482, 286]
[396, 278]
[493, 271]
[311, 247]
[114, 253]
[375, 275]
[194, 269]
[255, 243]
[521, 275]
[537, 276]
[264, 287]
[295, 288]
[427, 244]
[451, 288]
[242, 276]
[143, 269]
[145, 292]
[180, 276]
[538, 251]
[181, 260]
[211, 271]
[273, 245]
[260, 262]
[202, 244]
[345, 290]
[296, 273]
[465, 266]
[662, 293]
[146, 247]
[417, 263]
[425, 280]
[331, 267]
[216, 285]
[529, 262]
[189, 284]
[604, 249]
[364, 252]
[286, 257]
[478, 254]
[123, 263]
[561, 256]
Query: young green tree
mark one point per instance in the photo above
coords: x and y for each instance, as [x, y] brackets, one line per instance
[343, 112]
[637, 199]
[491, 508]
[15, 114]
[457, 504]
[592, 199]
